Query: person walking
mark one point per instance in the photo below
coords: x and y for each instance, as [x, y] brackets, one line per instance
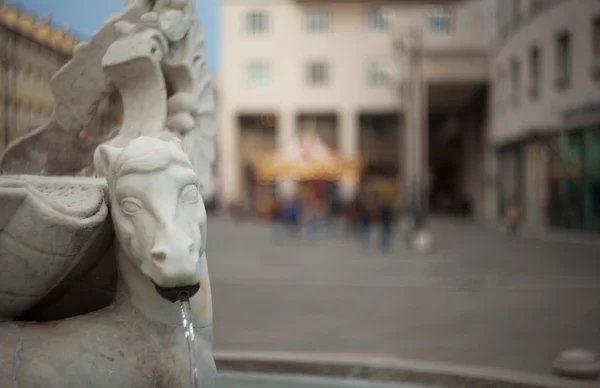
[386, 215]
[364, 217]
[513, 218]
[292, 216]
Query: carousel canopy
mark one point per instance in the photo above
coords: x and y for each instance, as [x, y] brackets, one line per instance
[305, 157]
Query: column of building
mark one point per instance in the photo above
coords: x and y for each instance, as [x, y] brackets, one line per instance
[416, 156]
[286, 132]
[229, 159]
[348, 146]
[422, 137]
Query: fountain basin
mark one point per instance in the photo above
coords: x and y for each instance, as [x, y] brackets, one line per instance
[239, 369]
[261, 380]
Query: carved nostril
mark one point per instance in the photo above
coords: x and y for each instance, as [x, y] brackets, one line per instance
[158, 256]
[191, 247]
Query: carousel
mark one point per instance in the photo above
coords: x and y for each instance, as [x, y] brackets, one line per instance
[309, 161]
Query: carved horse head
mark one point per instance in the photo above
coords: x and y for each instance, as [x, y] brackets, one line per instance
[157, 211]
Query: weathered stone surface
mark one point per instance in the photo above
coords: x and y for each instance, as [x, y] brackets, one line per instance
[46, 229]
[114, 348]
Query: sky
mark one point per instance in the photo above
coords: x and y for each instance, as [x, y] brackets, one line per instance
[84, 17]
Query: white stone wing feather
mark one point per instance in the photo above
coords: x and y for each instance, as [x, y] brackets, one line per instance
[80, 89]
[192, 108]
[204, 133]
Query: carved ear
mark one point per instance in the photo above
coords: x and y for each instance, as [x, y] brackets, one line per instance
[104, 156]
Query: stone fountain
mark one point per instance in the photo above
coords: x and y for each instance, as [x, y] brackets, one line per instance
[102, 223]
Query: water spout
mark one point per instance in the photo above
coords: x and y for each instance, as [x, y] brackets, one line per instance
[188, 327]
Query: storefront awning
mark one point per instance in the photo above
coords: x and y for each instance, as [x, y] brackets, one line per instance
[306, 157]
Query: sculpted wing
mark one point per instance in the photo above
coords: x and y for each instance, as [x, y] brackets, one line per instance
[191, 108]
[81, 90]
[201, 139]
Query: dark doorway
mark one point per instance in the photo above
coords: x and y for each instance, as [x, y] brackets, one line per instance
[445, 160]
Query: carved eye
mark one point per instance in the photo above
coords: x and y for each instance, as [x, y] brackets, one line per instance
[190, 194]
[130, 206]
[156, 48]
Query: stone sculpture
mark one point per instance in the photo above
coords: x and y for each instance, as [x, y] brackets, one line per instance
[134, 107]
[160, 226]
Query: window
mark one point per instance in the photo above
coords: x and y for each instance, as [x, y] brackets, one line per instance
[563, 60]
[376, 21]
[536, 6]
[534, 72]
[441, 21]
[596, 48]
[257, 73]
[596, 38]
[516, 12]
[318, 73]
[377, 74]
[318, 21]
[500, 86]
[515, 74]
[257, 23]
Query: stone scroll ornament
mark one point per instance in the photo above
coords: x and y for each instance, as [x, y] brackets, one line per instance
[134, 106]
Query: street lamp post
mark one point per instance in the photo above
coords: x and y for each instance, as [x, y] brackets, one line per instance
[407, 48]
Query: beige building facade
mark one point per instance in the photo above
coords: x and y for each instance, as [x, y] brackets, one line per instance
[545, 122]
[31, 51]
[374, 79]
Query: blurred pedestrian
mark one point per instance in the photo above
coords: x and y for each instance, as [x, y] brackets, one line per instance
[365, 213]
[276, 219]
[350, 216]
[513, 218]
[292, 215]
[386, 216]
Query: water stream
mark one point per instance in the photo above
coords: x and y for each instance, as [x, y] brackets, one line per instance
[188, 326]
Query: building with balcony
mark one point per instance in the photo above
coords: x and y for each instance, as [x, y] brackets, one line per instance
[400, 84]
[545, 121]
[31, 51]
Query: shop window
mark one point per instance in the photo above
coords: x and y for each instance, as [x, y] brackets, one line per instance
[511, 185]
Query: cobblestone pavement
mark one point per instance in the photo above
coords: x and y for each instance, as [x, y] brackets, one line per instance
[480, 298]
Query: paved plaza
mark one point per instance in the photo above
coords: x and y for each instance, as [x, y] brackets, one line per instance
[481, 298]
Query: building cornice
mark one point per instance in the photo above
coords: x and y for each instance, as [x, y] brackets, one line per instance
[37, 29]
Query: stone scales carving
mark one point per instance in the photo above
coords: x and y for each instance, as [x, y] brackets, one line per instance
[134, 105]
